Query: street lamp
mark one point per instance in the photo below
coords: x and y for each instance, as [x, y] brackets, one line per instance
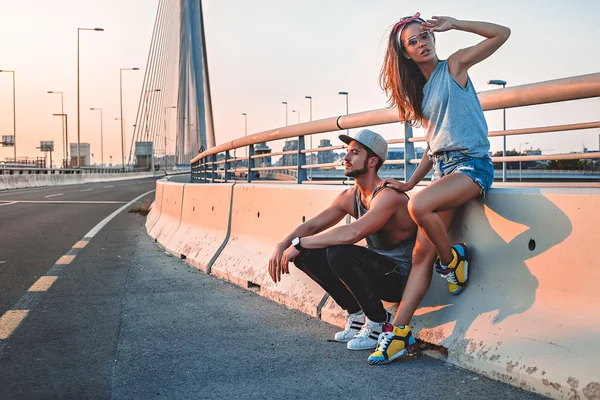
[66, 132]
[520, 144]
[78, 113]
[65, 140]
[14, 115]
[502, 83]
[101, 136]
[121, 107]
[311, 136]
[346, 94]
[298, 112]
[166, 160]
[286, 112]
[245, 134]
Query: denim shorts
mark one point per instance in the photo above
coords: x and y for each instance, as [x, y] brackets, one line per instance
[480, 169]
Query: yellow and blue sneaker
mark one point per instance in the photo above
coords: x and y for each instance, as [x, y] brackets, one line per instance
[395, 342]
[457, 272]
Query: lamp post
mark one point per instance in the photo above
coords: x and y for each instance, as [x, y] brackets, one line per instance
[65, 140]
[245, 134]
[311, 136]
[166, 160]
[502, 83]
[520, 144]
[14, 114]
[286, 112]
[101, 136]
[121, 107]
[66, 132]
[297, 112]
[346, 94]
[78, 113]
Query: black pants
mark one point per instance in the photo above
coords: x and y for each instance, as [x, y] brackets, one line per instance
[356, 277]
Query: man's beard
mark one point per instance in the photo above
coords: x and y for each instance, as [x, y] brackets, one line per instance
[358, 172]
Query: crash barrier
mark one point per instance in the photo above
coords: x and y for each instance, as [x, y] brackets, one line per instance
[169, 209]
[529, 317]
[22, 181]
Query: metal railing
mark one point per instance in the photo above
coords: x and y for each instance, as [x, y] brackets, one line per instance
[32, 170]
[207, 167]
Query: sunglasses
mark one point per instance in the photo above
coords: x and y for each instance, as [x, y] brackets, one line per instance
[413, 41]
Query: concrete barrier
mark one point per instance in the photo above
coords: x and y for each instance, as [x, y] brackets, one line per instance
[22, 181]
[204, 224]
[530, 316]
[156, 207]
[170, 211]
[257, 226]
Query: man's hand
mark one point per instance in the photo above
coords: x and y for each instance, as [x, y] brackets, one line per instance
[275, 263]
[396, 185]
[288, 256]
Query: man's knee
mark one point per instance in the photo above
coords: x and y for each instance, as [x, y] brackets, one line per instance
[337, 257]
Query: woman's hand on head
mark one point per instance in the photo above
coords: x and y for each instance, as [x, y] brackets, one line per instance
[438, 24]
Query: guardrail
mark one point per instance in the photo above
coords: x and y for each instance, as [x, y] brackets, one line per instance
[208, 166]
[31, 170]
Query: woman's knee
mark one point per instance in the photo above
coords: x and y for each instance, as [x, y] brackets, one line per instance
[417, 208]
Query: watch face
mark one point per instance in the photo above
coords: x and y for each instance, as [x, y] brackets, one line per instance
[296, 242]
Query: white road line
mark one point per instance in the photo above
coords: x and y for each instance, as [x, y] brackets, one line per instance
[13, 318]
[86, 190]
[106, 187]
[54, 195]
[67, 202]
[106, 220]
[7, 204]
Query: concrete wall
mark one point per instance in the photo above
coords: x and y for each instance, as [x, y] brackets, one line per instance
[530, 316]
[21, 181]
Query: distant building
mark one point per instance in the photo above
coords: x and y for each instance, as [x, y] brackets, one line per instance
[326, 156]
[397, 153]
[262, 148]
[290, 159]
[84, 154]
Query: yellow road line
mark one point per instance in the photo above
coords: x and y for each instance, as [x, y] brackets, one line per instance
[11, 321]
[81, 244]
[65, 260]
[43, 284]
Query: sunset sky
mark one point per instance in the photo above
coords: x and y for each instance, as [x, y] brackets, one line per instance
[263, 52]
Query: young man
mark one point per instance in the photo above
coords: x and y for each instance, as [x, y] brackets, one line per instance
[358, 278]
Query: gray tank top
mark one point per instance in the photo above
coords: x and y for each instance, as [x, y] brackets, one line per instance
[454, 117]
[400, 253]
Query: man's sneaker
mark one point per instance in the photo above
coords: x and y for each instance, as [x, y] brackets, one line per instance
[395, 342]
[368, 336]
[457, 272]
[353, 324]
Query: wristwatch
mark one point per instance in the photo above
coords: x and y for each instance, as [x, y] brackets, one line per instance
[296, 243]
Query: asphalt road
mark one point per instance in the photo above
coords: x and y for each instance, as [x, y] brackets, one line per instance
[124, 320]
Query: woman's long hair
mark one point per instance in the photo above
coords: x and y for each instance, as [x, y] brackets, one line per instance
[402, 81]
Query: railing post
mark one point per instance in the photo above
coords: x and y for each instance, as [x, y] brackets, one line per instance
[301, 160]
[409, 152]
[250, 162]
[214, 168]
[227, 173]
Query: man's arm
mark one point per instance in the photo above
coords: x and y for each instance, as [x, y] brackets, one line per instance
[326, 219]
[322, 221]
[382, 208]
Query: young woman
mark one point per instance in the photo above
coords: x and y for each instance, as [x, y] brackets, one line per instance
[439, 96]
